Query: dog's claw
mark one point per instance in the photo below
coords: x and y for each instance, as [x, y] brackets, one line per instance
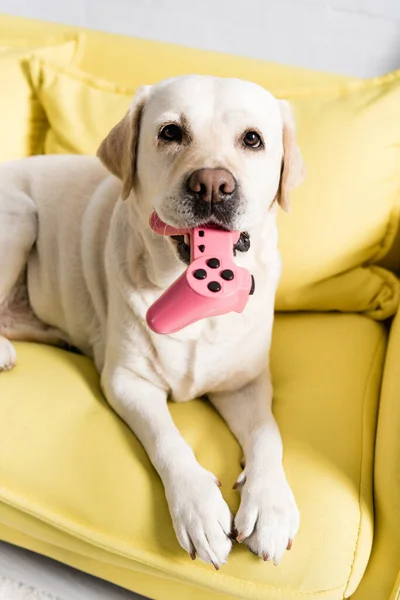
[233, 534]
[240, 538]
[192, 555]
[217, 481]
[240, 481]
[243, 463]
[266, 557]
[216, 567]
[289, 546]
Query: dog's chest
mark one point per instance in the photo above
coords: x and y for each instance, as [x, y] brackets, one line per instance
[216, 355]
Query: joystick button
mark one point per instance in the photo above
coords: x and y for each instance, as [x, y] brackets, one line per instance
[214, 286]
[213, 263]
[200, 274]
[227, 274]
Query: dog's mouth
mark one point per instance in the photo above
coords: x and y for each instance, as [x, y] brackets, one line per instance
[183, 245]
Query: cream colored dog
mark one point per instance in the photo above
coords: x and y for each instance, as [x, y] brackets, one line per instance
[79, 265]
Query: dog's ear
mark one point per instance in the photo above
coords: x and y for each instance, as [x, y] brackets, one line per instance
[119, 149]
[293, 169]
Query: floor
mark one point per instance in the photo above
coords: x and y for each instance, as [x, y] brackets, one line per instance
[28, 576]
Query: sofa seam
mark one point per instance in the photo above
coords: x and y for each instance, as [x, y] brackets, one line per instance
[386, 242]
[387, 309]
[344, 89]
[373, 364]
[75, 72]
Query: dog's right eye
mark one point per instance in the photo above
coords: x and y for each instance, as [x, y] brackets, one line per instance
[171, 133]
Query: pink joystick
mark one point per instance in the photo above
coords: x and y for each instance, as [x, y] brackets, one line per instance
[212, 284]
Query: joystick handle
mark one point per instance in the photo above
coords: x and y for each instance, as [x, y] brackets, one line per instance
[212, 284]
[191, 298]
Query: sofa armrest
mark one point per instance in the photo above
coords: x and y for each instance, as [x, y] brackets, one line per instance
[382, 577]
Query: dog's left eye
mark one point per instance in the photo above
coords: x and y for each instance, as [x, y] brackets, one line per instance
[252, 139]
[171, 133]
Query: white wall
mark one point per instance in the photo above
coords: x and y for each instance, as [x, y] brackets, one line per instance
[355, 37]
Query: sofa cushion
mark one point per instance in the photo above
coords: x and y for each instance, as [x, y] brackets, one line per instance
[75, 483]
[23, 122]
[345, 215]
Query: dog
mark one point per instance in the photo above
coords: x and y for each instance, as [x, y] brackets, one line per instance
[80, 266]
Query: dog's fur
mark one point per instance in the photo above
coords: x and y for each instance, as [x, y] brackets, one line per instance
[79, 265]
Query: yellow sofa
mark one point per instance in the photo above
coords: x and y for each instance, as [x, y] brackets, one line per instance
[77, 486]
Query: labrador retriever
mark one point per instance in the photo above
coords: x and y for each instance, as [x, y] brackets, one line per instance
[79, 265]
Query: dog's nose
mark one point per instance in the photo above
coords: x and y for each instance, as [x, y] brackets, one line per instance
[212, 185]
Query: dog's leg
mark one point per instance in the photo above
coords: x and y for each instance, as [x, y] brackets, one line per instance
[268, 518]
[8, 356]
[18, 229]
[200, 516]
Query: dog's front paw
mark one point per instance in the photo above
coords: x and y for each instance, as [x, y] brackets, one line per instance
[8, 355]
[268, 518]
[201, 518]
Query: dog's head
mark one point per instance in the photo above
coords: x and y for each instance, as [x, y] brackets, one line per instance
[204, 150]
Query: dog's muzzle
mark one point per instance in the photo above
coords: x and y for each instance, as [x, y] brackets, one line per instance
[211, 195]
[211, 185]
[242, 245]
